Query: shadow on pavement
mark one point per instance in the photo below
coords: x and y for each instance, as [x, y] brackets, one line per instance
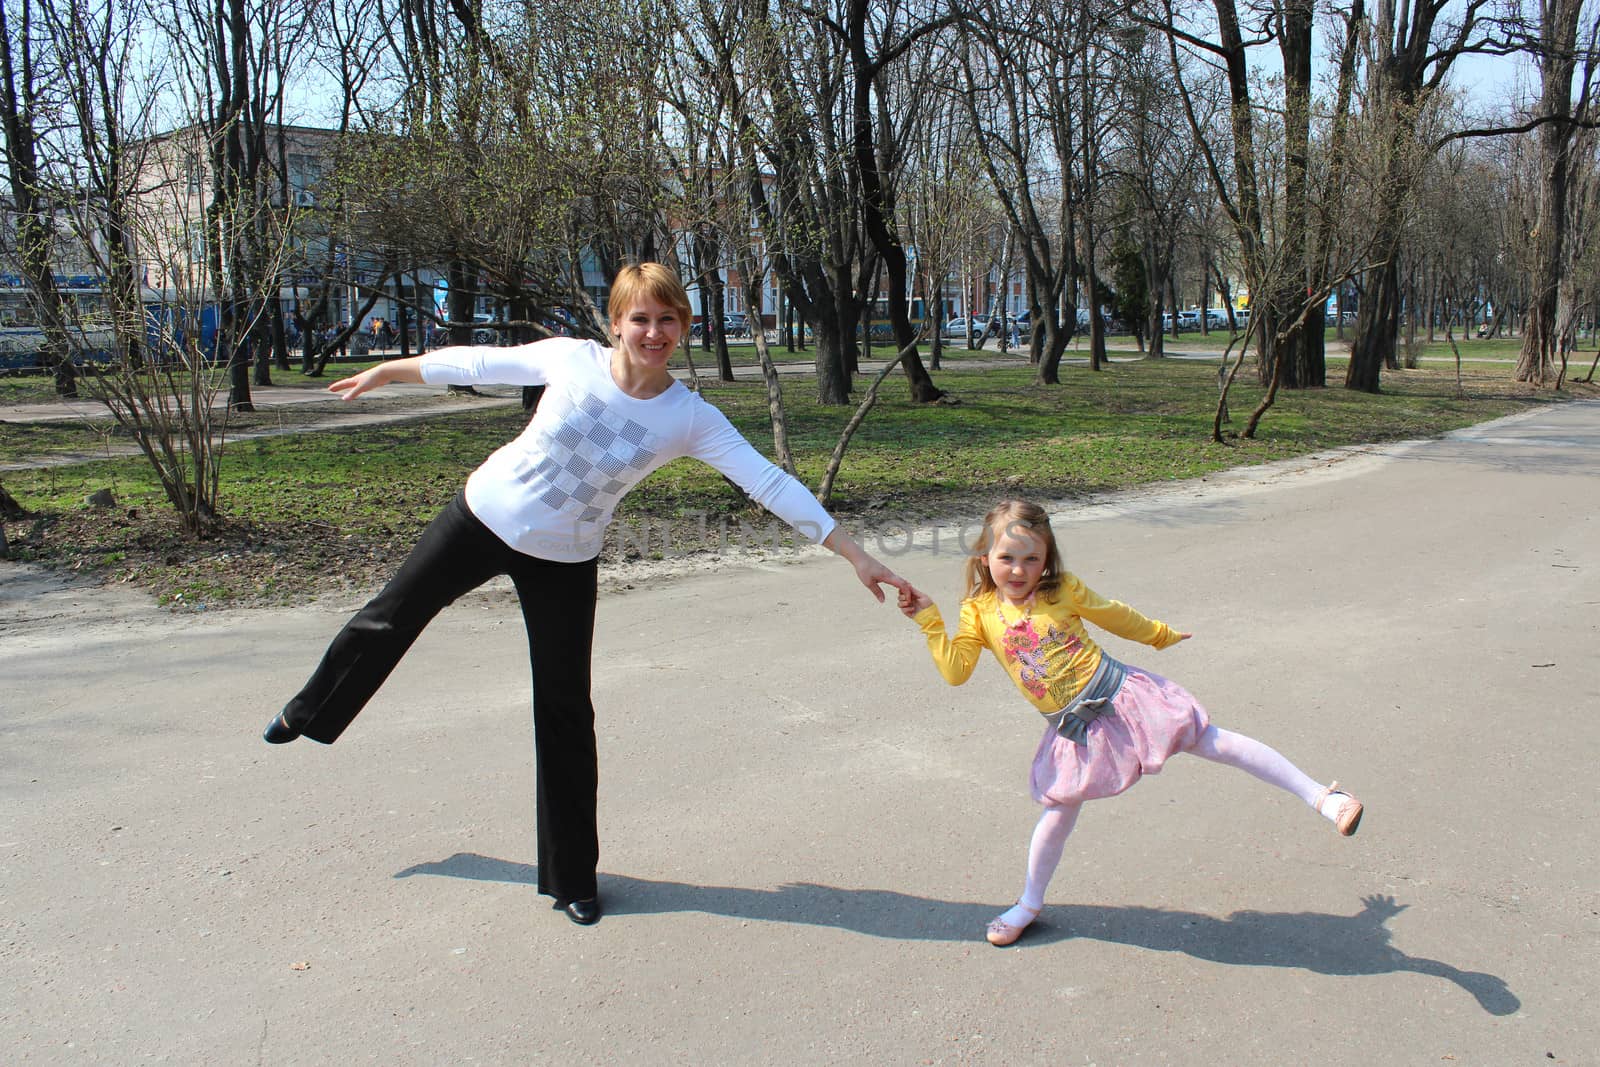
[1324, 944]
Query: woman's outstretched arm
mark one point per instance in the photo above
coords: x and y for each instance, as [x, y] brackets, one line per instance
[394, 370]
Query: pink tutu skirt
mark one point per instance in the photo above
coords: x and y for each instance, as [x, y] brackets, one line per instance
[1148, 721]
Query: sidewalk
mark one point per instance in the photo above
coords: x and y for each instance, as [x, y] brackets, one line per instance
[334, 413]
[804, 830]
[264, 397]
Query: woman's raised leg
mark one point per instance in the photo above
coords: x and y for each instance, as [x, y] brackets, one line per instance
[454, 555]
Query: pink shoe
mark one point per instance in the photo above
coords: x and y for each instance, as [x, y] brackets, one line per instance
[1347, 817]
[1001, 933]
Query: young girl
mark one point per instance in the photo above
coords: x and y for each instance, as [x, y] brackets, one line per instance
[1106, 723]
[537, 510]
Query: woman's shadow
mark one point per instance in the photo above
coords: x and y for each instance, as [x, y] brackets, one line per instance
[1325, 944]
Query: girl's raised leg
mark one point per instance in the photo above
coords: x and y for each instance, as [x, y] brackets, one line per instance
[1252, 757]
[1269, 765]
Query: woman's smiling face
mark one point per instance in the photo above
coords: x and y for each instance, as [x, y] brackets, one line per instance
[648, 332]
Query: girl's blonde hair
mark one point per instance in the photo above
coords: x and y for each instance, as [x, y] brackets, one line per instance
[652, 281]
[1014, 516]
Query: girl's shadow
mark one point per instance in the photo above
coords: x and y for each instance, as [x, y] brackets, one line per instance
[1326, 944]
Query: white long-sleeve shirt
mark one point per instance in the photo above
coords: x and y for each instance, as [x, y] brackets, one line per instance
[551, 491]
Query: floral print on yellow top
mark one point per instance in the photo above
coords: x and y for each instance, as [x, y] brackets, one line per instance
[1043, 646]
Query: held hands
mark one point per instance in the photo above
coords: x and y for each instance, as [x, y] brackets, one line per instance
[875, 575]
[913, 600]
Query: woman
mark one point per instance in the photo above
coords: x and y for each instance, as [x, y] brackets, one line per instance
[537, 510]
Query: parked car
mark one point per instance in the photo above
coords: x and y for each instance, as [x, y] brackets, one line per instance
[734, 324]
[1217, 318]
[982, 328]
[1083, 321]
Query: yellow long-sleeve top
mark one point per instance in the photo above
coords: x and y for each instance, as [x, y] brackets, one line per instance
[1046, 649]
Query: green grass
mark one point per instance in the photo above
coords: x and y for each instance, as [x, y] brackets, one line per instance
[742, 353]
[1135, 422]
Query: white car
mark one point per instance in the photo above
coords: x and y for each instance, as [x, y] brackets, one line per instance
[957, 328]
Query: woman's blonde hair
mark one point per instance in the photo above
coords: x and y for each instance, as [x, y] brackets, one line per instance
[1014, 516]
[653, 281]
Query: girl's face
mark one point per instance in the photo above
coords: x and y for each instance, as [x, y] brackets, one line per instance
[648, 332]
[1016, 561]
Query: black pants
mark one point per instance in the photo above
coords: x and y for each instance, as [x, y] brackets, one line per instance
[455, 555]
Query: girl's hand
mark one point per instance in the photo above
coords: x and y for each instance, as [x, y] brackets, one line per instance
[1182, 638]
[912, 600]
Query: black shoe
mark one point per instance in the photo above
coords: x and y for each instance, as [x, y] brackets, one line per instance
[279, 732]
[583, 912]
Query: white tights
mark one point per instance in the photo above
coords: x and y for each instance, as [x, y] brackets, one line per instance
[1219, 746]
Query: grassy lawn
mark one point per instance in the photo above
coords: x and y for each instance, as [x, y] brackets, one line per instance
[308, 509]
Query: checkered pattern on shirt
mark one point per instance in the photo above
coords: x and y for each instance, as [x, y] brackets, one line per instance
[589, 457]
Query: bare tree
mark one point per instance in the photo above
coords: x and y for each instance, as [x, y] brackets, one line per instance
[1551, 305]
[1019, 70]
[148, 355]
[706, 151]
[945, 205]
[1156, 163]
[876, 37]
[25, 77]
[808, 209]
[1284, 252]
[232, 58]
[1414, 45]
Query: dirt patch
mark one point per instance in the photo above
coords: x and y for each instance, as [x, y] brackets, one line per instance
[264, 564]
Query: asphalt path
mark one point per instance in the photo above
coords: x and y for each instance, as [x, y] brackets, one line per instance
[804, 830]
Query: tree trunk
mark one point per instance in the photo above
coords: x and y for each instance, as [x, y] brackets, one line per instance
[833, 385]
[769, 373]
[1377, 328]
[1091, 295]
[719, 313]
[1050, 339]
[877, 205]
[32, 219]
[1541, 338]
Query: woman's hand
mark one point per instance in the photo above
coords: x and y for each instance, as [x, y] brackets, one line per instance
[873, 575]
[392, 370]
[353, 386]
